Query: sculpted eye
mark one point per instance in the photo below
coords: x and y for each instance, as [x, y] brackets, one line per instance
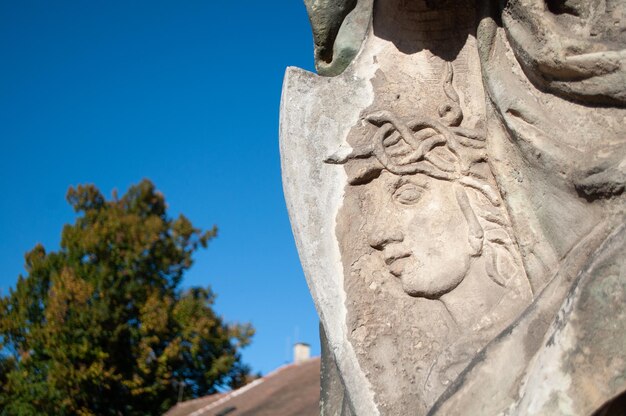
[408, 194]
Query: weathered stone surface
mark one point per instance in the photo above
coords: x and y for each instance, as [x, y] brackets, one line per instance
[334, 400]
[339, 27]
[457, 198]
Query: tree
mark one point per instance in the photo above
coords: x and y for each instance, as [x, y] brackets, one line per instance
[102, 327]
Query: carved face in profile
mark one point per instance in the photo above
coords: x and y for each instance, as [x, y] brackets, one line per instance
[416, 223]
[430, 272]
[428, 206]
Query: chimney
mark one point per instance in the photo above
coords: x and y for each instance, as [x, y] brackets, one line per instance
[301, 352]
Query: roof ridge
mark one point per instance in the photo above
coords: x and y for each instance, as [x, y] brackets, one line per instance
[249, 386]
[227, 397]
[198, 399]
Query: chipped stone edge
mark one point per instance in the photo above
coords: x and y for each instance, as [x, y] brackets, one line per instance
[319, 249]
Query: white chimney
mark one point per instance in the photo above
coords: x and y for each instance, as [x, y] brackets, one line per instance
[301, 352]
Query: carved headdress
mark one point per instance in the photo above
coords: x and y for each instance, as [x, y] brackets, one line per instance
[439, 148]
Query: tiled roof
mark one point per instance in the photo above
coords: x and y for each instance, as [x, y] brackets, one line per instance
[291, 390]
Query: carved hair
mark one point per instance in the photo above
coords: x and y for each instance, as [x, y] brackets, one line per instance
[443, 150]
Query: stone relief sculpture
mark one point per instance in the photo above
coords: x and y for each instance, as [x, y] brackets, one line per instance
[430, 207]
[456, 190]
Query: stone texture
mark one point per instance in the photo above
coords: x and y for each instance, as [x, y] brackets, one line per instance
[339, 27]
[457, 198]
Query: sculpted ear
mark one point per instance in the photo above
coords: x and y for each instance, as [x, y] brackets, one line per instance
[476, 234]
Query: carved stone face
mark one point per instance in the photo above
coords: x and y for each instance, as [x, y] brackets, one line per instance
[420, 230]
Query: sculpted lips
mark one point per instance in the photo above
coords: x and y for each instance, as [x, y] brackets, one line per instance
[393, 258]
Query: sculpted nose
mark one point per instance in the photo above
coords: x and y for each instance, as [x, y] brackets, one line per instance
[380, 238]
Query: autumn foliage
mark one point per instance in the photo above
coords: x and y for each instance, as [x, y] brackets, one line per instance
[102, 326]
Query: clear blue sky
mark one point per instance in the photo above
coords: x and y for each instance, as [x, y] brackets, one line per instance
[185, 93]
